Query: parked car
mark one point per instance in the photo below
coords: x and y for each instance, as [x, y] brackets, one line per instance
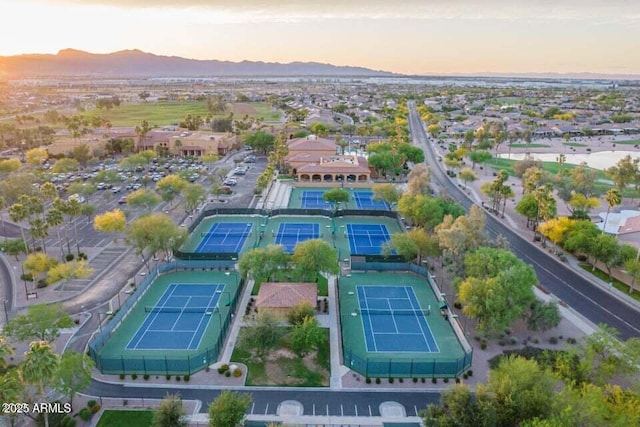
[230, 181]
[115, 190]
[250, 159]
[122, 200]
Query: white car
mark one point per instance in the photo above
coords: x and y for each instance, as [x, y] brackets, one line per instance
[115, 190]
[77, 197]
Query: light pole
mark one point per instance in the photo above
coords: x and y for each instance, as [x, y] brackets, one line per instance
[6, 313]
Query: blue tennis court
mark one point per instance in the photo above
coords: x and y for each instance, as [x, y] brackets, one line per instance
[393, 321]
[367, 239]
[225, 237]
[179, 319]
[314, 200]
[290, 234]
[364, 200]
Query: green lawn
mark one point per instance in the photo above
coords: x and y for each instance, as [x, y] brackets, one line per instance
[113, 418]
[603, 275]
[530, 146]
[574, 144]
[286, 369]
[166, 112]
[632, 142]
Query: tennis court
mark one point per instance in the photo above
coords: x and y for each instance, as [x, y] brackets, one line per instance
[290, 234]
[367, 239]
[393, 321]
[364, 200]
[387, 331]
[224, 237]
[314, 200]
[179, 318]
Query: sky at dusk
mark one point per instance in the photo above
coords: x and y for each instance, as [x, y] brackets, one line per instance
[404, 36]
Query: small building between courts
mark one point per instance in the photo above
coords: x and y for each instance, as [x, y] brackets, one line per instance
[279, 298]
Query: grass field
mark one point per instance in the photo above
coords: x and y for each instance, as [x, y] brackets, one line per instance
[283, 368]
[113, 418]
[165, 113]
[631, 142]
[574, 144]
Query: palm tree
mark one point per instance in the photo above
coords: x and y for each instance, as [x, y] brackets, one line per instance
[39, 368]
[613, 198]
[18, 213]
[73, 209]
[54, 219]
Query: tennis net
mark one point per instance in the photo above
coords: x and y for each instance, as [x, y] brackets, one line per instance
[383, 312]
[226, 234]
[303, 235]
[178, 309]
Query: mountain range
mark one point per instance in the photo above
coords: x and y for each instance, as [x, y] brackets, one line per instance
[135, 63]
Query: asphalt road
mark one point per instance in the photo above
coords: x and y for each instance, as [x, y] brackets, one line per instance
[585, 297]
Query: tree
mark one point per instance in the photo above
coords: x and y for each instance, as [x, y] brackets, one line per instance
[462, 234]
[262, 263]
[315, 256]
[388, 193]
[13, 247]
[170, 413]
[229, 408]
[170, 186]
[624, 172]
[82, 154]
[335, 196]
[18, 212]
[418, 181]
[8, 166]
[143, 198]
[142, 130]
[543, 316]
[193, 194]
[41, 321]
[39, 368]
[263, 335]
[110, 222]
[297, 314]
[68, 271]
[424, 211]
[498, 288]
[144, 95]
[306, 336]
[607, 356]
[38, 264]
[152, 233]
[521, 391]
[632, 268]
[74, 373]
[415, 244]
[613, 198]
[36, 156]
[434, 130]
[260, 141]
[604, 248]
[467, 175]
[580, 205]
[65, 166]
[5, 351]
[459, 407]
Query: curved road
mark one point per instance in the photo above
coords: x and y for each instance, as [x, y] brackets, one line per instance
[592, 302]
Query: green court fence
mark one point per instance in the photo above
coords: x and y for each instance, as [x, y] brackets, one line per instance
[160, 364]
[387, 367]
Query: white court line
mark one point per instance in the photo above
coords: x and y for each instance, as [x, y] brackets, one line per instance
[364, 294]
[395, 325]
[135, 347]
[215, 294]
[411, 300]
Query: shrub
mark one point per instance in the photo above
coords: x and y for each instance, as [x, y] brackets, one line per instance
[82, 256]
[571, 340]
[415, 380]
[186, 378]
[423, 380]
[470, 372]
[84, 414]
[368, 380]
[446, 380]
[553, 340]
[69, 257]
[95, 409]
[513, 341]
[223, 368]
[465, 376]
[146, 376]
[91, 403]
[121, 376]
[457, 380]
[400, 380]
[237, 373]
[227, 374]
[168, 377]
[27, 277]
[391, 380]
[434, 380]
[41, 284]
[483, 345]
[177, 377]
[134, 376]
[378, 381]
[71, 422]
[501, 343]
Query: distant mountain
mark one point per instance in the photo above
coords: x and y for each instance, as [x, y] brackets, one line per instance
[135, 63]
